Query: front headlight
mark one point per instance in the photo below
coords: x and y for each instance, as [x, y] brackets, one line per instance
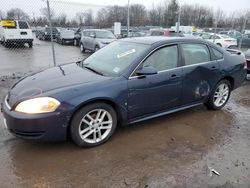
[38, 105]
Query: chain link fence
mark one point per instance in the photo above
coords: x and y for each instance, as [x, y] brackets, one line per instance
[45, 33]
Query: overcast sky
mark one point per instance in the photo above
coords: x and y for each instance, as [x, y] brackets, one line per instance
[32, 7]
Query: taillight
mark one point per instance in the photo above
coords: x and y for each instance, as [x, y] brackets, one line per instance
[245, 63]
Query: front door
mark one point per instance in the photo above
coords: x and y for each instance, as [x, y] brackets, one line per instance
[158, 92]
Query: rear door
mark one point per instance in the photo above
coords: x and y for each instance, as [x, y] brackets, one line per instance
[158, 92]
[200, 73]
[24, 30]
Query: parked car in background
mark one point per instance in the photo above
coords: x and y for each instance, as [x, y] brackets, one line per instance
[15, 32]
[114, 86]
[65, 36]
[245, 40]
[232, 33]
[205, 35]
[166, 33]
[77, 38]
[137, 34]
[223, 41]
[46, 33]
[39, 30]
[94, 39]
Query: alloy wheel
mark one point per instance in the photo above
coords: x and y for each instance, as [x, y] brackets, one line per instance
[221, 95]
[95, 126]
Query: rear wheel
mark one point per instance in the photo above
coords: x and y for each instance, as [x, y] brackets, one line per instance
[30, 44]
[6, 44]
[97, 48]
[82, 48]
[93, 125]
[219, 96]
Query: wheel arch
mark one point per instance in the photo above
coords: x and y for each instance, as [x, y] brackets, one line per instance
[230, 79]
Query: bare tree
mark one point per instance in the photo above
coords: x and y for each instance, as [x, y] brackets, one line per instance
[61, 20]
[17, 13]
[138, 15]
[44, 12]
[1, 14]
[88, 18]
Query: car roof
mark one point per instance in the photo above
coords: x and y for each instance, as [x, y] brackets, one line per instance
[95, 30]
[160, 39]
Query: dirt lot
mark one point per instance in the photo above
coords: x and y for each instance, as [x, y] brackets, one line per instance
[178, 150]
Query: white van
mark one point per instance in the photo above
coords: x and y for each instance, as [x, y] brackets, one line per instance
[15, 32]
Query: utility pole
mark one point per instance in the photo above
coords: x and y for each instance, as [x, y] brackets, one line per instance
[128, 20]
[242, 31]
[51, 34]
[179, 21]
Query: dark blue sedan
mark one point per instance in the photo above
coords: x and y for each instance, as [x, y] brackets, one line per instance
[128, 81]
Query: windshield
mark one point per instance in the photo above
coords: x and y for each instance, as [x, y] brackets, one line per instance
[225, 36]
[104, 34]
[115, 58]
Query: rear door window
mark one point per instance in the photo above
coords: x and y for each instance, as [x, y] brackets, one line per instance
[195, 53]
[23, 25]
[216, 55]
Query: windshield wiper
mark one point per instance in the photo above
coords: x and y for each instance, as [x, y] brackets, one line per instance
[93, 70]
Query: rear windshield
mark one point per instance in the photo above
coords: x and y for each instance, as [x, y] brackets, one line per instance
[104, 34]
[23, 25]
[8, 24]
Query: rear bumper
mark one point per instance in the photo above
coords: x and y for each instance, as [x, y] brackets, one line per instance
[19, 40]
[44, 127]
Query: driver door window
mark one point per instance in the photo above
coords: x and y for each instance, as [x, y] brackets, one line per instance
[163, 59]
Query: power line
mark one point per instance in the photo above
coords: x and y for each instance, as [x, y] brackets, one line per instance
[78, 3]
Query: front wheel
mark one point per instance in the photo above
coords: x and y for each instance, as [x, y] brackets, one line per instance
[93, 125]
[75, 42]
[219, 96]
[82, 48]
[97, 48]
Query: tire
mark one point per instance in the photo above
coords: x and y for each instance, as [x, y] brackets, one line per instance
[6, 44]
[43, 38]
[30, 44]
[82, 49]
[219, 95]
[62, 42]
[75, 42]
[88, 119]
[97, 48]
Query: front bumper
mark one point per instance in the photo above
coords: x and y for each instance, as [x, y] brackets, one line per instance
[44, 127]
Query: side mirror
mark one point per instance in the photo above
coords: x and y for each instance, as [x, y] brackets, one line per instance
[92, 36]
[146, 71]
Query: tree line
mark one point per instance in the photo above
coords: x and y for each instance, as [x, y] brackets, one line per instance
[164, 14]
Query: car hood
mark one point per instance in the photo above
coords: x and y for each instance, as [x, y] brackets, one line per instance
[107, 41]
[52, 79]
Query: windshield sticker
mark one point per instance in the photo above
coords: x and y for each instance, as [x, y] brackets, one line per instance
[116, 69]
[126, 53]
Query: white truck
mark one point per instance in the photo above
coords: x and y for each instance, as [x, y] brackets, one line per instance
[15, 32]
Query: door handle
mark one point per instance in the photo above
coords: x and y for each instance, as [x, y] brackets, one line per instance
[173, 76]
